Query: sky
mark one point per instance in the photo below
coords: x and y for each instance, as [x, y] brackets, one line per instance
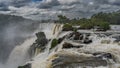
[49, 9]
[36, 0]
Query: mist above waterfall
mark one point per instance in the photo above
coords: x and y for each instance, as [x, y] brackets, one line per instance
[14, 30]
[17, 36]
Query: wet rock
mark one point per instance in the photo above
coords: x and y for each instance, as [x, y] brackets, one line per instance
[87, 41]
[76, 36]
[116, 41]
[67, 59]
[68, 45]
[67, 29]
[117, 37]
[39, 45]
[61, 39]
[80, 37]
[25, 66]
[103, 55]
[88, 34]
[41, 39]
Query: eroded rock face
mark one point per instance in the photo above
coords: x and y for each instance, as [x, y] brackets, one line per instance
[87, 41]
[80, 37]
[68, 45]
[41, 39]
[40, 44]
[61, 39]
[104, 55]
[72, 59]
[25, 66]
[75, 36]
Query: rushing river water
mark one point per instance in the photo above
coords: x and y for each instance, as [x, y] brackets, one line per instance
[67, 58]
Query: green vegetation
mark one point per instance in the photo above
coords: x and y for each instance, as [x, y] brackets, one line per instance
[62, 19]
[67, 27]
[86, 24]
[104, 25]
[75, 29]
[112, 18]
[101, 20]
[54, 43]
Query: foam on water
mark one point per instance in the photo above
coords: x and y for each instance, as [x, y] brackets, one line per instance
[96, 46]
[40, 59]
[20, 54]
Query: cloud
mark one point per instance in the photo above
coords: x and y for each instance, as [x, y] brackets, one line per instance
[17, 3]
[47, 9]
[48, 4]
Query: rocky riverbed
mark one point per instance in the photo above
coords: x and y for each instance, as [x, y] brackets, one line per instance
[74, 49]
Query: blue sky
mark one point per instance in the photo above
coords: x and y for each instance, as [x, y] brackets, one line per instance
[36, 0]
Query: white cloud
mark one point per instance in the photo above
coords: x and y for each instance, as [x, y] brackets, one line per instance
[50, 8]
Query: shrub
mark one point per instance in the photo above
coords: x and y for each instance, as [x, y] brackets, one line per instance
[67, 27]
[75, 29]
[104, 25]
[54, 43]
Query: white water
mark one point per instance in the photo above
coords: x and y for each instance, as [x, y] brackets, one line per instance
[40, 59]
[96, 46]
[19, 55]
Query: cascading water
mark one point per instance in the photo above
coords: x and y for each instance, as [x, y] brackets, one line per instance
[62, 58]
[38, 60]
[101, 53]
[20, 55]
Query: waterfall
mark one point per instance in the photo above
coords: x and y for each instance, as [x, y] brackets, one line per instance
[20, 54]
[85, 54]
[38, 60]
[59, 57]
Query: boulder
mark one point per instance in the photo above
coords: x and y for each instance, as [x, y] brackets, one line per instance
[61, 39]
[25, 66]
[39, 45]
[68, 45]
[87, 41]
[104, 55]
[82, 38]
[41, 39]
[68, 59]
[75, 36]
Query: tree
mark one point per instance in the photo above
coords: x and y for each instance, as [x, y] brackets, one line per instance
[104, 25]
[62, 19]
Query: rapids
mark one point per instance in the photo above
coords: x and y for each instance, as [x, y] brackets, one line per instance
[68, 58]
[102, 52]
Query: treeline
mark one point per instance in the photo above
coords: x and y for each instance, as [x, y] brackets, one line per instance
[102, 20]
[112, 18]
